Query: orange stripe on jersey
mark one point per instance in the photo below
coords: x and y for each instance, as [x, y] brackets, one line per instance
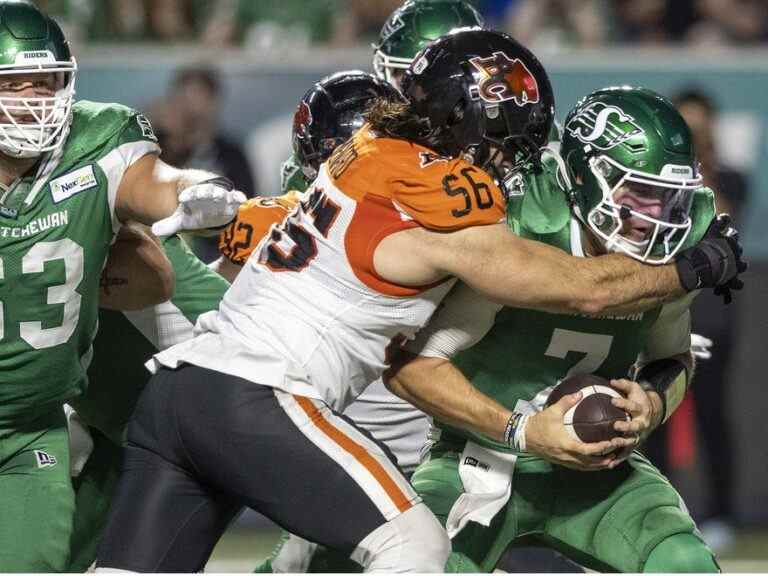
[254, 219]
[374, 219]
[438, 193]
[359, 453]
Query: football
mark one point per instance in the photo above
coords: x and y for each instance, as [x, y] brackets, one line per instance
[591, 420]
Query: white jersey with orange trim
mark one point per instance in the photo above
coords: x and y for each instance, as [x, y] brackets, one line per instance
[308, 314]
[402, 427]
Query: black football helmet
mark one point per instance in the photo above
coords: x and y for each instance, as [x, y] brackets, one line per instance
[330, 112]
[482, 95]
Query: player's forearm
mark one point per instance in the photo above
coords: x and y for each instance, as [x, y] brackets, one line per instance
[150, 190]
[621, 285]
[168, 183]
[226, 268]
[438, 388]
[527, 274]
[137, 274]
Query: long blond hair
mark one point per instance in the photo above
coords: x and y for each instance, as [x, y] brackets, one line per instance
[395, 119]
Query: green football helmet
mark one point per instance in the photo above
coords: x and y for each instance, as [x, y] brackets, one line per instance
[32, 43]
[413, 26]
[630, 171]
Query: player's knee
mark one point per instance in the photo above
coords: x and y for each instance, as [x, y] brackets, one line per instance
[414, 541]
[681, 553]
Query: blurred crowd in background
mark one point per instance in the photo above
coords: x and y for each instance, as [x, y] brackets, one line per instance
[543, 23]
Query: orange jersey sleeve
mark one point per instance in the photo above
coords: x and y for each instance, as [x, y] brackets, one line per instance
[448, 195]
[254, 219]
[434, 192]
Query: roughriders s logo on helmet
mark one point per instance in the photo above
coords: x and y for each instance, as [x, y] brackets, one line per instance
[603, 126]
[302, 119]
[503, 78]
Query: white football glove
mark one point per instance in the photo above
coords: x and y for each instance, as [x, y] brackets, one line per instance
[701, 347]
[208, 204]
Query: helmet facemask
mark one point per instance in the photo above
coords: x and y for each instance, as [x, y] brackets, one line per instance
[389, 68]
[31, 126]
[611, 219]
[504, 150]
[312, 158]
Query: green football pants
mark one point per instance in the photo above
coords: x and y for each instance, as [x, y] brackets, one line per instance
[36, 496]
[94, 487]
[610, 520]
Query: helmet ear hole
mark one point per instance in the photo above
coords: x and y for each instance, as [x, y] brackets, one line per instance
[576, 175]
[457, 114]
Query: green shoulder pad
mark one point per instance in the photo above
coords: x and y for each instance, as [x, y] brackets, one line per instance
[702, 213]
[541, 206]
[291, 176]
[95, 124]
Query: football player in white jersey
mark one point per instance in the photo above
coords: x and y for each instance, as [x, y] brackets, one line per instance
[247, 413]
[327, 115]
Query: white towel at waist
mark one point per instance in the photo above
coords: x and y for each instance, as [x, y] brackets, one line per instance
[487, 478]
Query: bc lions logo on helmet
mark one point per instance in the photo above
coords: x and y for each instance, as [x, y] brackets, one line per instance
[504, 79]
[302, 119]
[603, 126]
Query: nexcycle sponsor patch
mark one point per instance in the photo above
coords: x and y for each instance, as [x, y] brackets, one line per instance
[73, 183]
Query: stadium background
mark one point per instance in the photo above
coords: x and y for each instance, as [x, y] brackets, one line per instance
[266, 65]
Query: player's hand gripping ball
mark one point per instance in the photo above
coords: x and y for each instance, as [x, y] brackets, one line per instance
[591, 420]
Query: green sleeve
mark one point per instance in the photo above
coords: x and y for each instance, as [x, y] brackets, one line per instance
[291, 176]
[198, 288]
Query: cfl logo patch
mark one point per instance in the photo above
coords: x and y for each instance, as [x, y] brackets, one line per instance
[44, 460]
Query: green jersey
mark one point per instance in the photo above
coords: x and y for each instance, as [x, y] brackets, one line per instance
[125, 342]
[56, 226]
[291, 176]
[526, 352]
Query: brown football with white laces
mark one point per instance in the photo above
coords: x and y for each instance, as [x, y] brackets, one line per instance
[592, 419]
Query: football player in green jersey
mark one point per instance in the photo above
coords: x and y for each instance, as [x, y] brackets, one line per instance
[116, 378]
[406, 31]
[627, 181]
[70, 174]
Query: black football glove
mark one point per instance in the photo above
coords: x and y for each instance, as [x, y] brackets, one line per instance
[715, 262]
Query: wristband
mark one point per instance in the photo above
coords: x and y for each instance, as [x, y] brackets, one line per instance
[511, 427]
[514, 431]
[519, 440]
